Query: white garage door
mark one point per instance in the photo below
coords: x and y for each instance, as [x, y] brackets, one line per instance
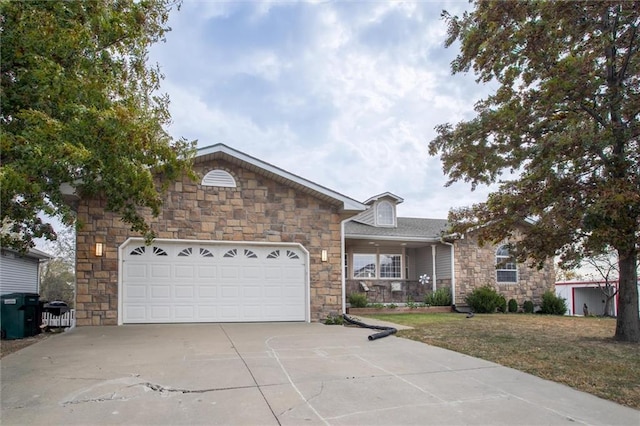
[169, 282]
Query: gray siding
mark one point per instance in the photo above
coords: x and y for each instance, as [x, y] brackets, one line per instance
[443, 261]
[423, 261]
[18, 274]
[367, 217]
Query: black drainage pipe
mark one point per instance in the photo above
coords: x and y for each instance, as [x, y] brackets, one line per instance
[386, 331]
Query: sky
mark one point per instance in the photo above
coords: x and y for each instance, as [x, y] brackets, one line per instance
[345, 94]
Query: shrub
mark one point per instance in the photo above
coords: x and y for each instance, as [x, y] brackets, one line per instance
[552, 304]
[440, 297]
[358, 300]
[502, 304]
[513, 305]
[483, 300]
[527, 307]
[333, 319]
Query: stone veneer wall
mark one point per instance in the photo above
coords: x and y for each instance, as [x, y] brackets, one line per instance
[475, 267]
[259, 209]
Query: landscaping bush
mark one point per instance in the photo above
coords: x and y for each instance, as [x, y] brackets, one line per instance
[358, 300]
[484, 300]
[513, 305]
[527, 307]
[552, 304]
[502, 304]
[440, 297]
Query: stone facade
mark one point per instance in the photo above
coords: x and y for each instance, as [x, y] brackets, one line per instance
[475, 266]
[258, 209]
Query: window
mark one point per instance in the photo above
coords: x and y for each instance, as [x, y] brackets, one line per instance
[364, 266]
[506, 268]
[385, 213]
[390, 266]
[368, 265]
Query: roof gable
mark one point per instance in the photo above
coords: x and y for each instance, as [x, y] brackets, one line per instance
[221, 151]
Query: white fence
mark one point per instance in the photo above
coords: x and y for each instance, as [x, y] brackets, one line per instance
[68, 319]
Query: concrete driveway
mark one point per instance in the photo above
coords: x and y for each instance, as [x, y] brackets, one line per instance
[275, 374]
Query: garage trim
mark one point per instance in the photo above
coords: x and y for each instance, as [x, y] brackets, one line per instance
[126, 243]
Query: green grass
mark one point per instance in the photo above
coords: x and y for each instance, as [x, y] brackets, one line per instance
[576, 351]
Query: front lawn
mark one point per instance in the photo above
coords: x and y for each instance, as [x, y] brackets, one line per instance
[576, 351]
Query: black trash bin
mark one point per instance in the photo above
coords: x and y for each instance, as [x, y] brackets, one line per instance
[19, 315]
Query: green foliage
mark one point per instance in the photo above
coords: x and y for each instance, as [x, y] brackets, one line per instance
[411, 304]
[502, 304]
[552, 304]
[358, 300]
[440, 297]
[376, 305]
[527, 307]
[391, 306]
[334, 320]
[513, 305]
[484, 300]
[564, 115]
[80, 106]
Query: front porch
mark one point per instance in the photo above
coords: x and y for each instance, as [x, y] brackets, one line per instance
[389, 291]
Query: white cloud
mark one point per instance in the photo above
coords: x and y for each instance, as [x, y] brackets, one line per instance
[346, 94]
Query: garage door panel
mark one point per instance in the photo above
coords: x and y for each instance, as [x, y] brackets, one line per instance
[184, 312]
[229, 272]
[160, 313]
[135, 291]
[160, 271]
[213, 282]
[207, 292]
[136, 313]
[183, 292]
[207, 272]
[132, 270]
[184, 271]
[159, 292]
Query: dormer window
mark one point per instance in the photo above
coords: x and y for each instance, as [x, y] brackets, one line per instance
[384, 214]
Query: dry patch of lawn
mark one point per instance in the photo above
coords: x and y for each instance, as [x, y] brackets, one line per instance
[576, 351]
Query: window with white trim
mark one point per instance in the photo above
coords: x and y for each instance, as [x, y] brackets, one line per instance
[364, 266]
[506, 266]
[383, 266]
[384, 213]
[390, 266]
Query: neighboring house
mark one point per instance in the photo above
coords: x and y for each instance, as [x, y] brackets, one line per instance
[20, 272]
[253, 242]
[386, 255]
[580, 293]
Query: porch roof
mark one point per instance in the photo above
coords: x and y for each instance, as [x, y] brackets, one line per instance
[408, 228]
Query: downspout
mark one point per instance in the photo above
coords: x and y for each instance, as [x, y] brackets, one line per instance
[453, 273]
[433, 267]
[344, 278]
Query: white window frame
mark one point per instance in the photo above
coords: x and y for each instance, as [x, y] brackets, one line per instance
[399, 269]
[385, 215]
[375, 260]
[505, 262]
[361, 265]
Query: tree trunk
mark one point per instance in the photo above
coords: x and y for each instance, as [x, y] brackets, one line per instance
[628, 321]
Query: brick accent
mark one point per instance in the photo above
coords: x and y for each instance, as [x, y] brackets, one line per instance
[259, 209]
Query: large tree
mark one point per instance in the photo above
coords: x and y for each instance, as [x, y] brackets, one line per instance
[80, 107]
[564, 121]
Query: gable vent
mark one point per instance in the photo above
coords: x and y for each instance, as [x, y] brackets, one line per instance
[219, 178]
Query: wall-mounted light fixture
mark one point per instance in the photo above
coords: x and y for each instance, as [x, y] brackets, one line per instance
[324, 256]
[99, 249]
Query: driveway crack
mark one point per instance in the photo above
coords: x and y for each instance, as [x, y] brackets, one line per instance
[164, 389]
